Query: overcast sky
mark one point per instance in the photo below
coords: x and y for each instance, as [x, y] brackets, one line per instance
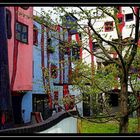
[54, 16]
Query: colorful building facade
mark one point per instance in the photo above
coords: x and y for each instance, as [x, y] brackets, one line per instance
[106, 26]
[40, 64]
[52, 68]
[20, 44]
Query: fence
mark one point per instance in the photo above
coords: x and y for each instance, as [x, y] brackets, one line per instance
[61, 122]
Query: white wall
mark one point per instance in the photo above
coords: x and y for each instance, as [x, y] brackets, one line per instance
[67, 125]
[110, 35]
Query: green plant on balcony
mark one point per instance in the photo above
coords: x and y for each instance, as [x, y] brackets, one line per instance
[50, 49]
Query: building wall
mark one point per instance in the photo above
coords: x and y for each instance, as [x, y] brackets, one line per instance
[126, 31]
[20, 54]
[67, 125]
[42, 58]
[27, 60]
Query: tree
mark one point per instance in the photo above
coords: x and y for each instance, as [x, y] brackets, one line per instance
[135, 86]
[124, 48]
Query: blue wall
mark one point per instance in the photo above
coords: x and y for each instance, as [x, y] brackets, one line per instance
[37, 70]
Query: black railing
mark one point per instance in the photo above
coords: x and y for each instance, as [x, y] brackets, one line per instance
[38, 127]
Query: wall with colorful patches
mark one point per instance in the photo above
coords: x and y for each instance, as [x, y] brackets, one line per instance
[20, 44]
[35, 50]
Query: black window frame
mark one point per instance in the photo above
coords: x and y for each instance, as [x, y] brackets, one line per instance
[27, 33]
[127, 20]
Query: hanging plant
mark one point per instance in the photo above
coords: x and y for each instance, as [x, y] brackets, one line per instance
[50, 49]
[54, 71]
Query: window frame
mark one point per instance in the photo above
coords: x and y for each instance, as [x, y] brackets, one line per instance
[129, 19]
[105, 26]
[22, 25]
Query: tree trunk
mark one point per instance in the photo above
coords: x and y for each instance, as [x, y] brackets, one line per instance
[123, 128]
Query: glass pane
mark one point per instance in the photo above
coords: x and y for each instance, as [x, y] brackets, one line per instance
[24, 29]
[18, 27]
[24, 37]
[18, 35]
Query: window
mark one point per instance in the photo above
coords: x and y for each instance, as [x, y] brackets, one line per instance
[71, 24]
[41, 104]
[35, 36]
[129, 17]
[22, 32]
[99, 65]
[113, 100]
[50, 48]
[108, 26]
[8, 24]
[54, 71]
[62, 50]
[56, 95]
[95, 46]
[49, 41]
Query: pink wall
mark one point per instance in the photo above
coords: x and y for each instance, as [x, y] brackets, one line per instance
[20, 54]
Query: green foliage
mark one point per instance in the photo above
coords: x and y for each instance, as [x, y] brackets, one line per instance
[109, 127]
[102, 81]
[91, 81]
[51, 49]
